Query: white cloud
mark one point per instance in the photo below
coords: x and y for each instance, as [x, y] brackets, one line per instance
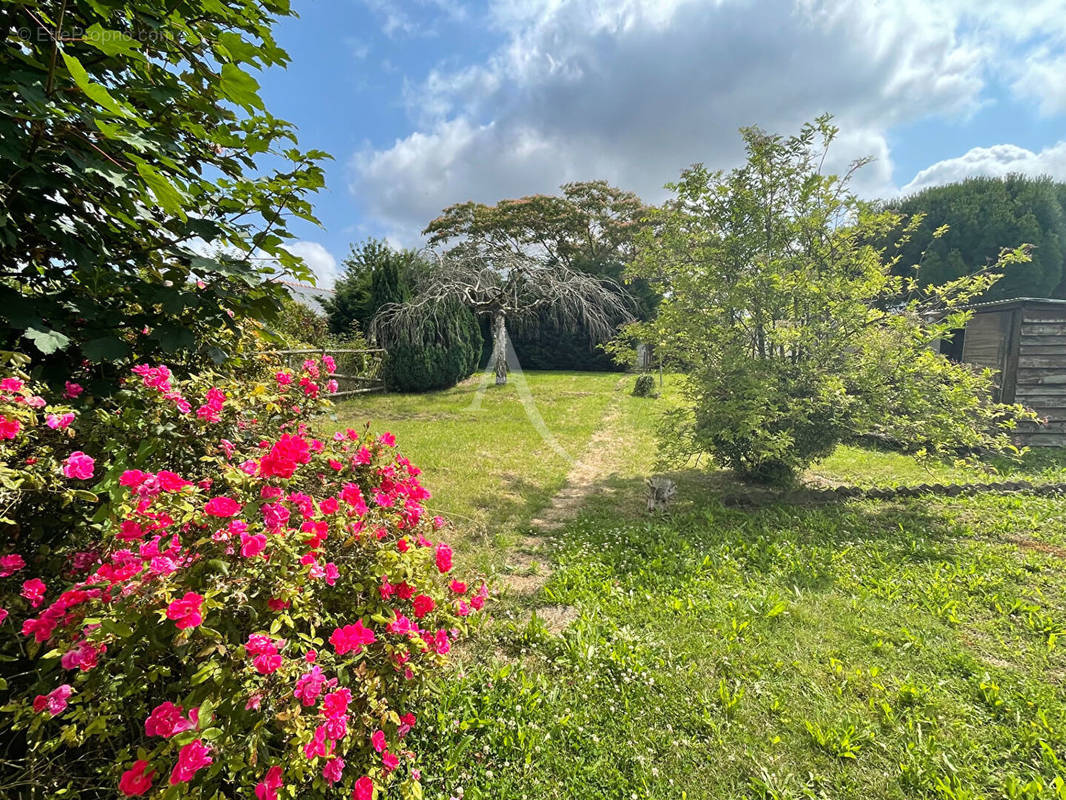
[635, 90]
[1025, 44]
[1043, 78]
[996, 161]
[414, 17]
[320, 261]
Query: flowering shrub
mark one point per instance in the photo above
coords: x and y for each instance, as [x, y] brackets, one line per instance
[256, 616]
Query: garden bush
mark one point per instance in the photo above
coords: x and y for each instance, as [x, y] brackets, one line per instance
[202, 598]
[448, 350]
[644, 386]
[800, 334]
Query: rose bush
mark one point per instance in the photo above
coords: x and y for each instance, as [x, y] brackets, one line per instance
[236, 606]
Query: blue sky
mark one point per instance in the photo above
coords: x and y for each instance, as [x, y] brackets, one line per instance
[424, 103]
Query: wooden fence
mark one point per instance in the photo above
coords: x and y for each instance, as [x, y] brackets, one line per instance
[358, 371]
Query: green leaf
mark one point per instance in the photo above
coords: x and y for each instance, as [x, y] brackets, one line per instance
[47, 340]
[172, 339]
[93, 91]
[110, 42]
[240, 87]
[119, 629]
[169, 197]
[104, 349]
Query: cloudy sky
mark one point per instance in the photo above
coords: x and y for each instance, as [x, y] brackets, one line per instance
[424, 103]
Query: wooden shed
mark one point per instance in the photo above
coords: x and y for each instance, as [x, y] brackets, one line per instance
[1024, 342]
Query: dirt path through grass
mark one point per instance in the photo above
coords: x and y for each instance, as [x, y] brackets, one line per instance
[601, 457]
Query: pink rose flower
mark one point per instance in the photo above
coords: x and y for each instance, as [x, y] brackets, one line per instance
[192, 758]
[351, 637]
[364, 789]
[444, 557]
[134, 782]
[377, 740]
[222, 507]
[79, 466]
[166, 720]
[9, 428]
[186, 612]
[10, 564]
[267, 789]
[252, 545]
[423, 604]
[333, 770]
[55, 702]
[33, 590]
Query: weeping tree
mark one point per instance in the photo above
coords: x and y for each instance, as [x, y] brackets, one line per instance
[510, 289]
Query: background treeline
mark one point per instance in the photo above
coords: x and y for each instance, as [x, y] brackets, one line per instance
[983, 216]
[593, 228]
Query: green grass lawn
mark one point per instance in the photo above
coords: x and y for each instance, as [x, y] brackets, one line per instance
[485, 461]
[856, 649]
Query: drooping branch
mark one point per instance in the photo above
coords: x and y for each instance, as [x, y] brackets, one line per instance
[518, 286]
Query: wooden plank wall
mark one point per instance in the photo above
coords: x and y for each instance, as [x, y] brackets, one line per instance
[1041, 374]
[986, 342]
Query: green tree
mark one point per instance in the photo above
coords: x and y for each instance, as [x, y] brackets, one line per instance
[445, 350]
[984, 215]
[798, 332]
[589, 228]
[440, 353]
[129, 138]
[351, 306]
[301, 326]
[505, 288]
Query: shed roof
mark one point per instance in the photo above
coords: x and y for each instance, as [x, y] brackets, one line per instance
[1015, 302]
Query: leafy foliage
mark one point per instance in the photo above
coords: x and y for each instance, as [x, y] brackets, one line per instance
[798, 331]
[445, 353]
[270, 609]
[644, 386]
[130, 137]
[984, 215]
[374, 274]
[590, 228]
[437, 354]
[504, 288]
[299, 325]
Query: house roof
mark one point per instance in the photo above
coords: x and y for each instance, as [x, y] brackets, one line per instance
[310, 296]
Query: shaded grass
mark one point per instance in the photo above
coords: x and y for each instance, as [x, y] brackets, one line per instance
[869, 467]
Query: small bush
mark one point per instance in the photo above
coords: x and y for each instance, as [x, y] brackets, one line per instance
[263, 614]
[645, 386]
[448, 351]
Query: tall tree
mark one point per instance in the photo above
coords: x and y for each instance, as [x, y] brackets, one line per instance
[129, 137]
[798, 333]
[355, 300]
[589, 228]
[505, 287]
[984, 215]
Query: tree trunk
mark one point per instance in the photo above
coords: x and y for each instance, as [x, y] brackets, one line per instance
[499, 347]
